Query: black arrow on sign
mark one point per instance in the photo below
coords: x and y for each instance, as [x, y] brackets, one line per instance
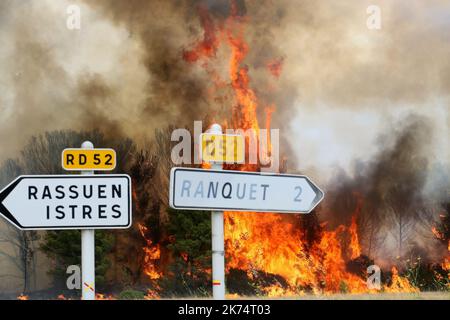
[3, 195]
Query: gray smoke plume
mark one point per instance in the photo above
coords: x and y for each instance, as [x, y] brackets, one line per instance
[124, 72]
[394, 211]
[371, 102]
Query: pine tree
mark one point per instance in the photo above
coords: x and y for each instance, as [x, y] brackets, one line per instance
[190, 244]
[64, 247]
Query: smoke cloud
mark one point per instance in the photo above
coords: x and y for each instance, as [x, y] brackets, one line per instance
[124, 72]
[373, 103]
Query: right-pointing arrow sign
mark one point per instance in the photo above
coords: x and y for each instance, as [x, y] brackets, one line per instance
[197, 189]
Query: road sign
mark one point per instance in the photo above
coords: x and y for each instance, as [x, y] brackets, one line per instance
[228, 148]
[197, 189]
[88, 159]
[68, 202]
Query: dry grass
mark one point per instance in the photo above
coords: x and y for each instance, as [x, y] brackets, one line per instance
[437, 295]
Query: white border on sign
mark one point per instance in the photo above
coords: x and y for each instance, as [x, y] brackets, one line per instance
[172, 187]
[67, 176]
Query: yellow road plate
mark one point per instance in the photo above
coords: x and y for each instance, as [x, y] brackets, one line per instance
[228, 148]
[89, 159]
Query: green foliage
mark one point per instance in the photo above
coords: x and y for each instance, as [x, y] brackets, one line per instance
[190, 232]
[417, 274]
[239, 282]
[441, 279]
[426, 277]
[343, 287]
[131, 295]
[65, 248]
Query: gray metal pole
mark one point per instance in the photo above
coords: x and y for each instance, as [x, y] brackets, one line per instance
[218, 250]
[88, 251]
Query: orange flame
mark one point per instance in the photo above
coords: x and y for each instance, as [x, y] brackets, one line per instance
[151, 295]
[152, 254]
[273, 243]
[274, 66]
[437, 233]
[100, 296]
[354, 247]
[399, 283]
[446, 263]
[208, 46]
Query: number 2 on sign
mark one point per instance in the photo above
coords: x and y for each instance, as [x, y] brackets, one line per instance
[299, 192]
[108, 158]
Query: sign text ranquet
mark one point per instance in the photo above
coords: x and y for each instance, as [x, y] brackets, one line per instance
[242, 191]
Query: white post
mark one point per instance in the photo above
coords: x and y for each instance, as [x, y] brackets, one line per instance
[88, 251]
[218, 250]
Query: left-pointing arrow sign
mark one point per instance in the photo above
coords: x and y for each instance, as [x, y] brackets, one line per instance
[57, 202]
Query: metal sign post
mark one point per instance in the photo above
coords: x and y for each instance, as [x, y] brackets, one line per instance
[88, 251]
[218, 246]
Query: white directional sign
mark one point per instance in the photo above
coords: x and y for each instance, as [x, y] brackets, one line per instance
[68, 202]
[197, 189]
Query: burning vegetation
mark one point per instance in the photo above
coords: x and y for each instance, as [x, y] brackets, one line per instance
[380, 215]
[282, 255]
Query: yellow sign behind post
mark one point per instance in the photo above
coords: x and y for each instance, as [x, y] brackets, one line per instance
[222, 148]
[88, 159]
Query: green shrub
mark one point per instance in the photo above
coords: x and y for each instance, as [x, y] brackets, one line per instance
[131, 295]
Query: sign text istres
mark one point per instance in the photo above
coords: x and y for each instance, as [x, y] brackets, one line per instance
[70, 201]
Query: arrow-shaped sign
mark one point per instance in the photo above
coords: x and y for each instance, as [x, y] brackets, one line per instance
[68, 202]
[198, 189]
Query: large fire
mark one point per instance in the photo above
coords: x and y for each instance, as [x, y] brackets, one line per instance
[275, 244]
